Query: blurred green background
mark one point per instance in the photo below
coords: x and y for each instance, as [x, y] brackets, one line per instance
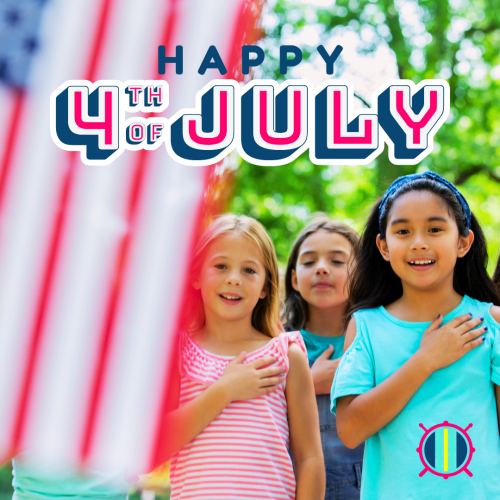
[5, 482]
[457, 40]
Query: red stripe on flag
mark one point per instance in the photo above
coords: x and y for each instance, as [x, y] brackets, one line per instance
[244, 32]
[15, 119]
[241, 34]
[54, 249]
[107, 335]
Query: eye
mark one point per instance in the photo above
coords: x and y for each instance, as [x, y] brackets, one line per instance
[220, 266]
[308, 263]
[249, 270]
[338, 262]
[402, 231]
[435, 230]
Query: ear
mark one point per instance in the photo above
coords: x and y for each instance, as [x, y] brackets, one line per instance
[464, 244]
[295, 283]
[383, 248]
[263, 294]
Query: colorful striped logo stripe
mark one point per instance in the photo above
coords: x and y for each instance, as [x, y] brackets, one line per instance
[446, 450]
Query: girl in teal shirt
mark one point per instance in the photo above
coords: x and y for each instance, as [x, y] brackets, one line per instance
[315, 304]
[419, 379]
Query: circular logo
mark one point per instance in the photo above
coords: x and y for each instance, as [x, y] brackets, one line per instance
[445, 450]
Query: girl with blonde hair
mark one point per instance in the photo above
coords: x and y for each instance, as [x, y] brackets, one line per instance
[236, 445]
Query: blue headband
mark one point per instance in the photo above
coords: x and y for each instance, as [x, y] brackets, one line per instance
[401, 181]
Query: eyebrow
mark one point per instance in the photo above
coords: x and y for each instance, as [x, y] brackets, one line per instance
[312, 252]
[430, 219]
[215, 257]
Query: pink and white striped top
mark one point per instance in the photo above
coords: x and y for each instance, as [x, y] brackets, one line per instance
[243, 453]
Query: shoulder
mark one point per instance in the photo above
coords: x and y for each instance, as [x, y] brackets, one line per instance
[287, 340]
[358, 333]
[486, 309]
[297, 352]
[495, 313]
[367, 316]
[185, 342]
[197, 364]
[363, 319]
[296, 355]
[350, 333]
[298, 370]
[298, 366]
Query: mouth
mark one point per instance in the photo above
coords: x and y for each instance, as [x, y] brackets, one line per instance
[322, 285]
[230, 298]
[421, 264]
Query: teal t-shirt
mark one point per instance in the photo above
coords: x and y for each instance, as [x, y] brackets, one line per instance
[317, 345]
[432, 438]
[45, 483]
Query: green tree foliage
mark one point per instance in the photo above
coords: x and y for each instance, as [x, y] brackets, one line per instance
[457, 40]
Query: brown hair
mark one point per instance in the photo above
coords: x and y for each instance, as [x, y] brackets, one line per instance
[265, 316]
[296, 311]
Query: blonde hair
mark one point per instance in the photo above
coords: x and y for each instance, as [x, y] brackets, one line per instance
[265, 316]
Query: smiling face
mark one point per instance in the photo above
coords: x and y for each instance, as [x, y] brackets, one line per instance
[321, 269]
[232, 278]
[422, 241]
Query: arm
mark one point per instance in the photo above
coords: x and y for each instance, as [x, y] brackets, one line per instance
[303, 420]
[359, 417]
[240, 381]
[350, 334]
[323, 371]
[495, 312]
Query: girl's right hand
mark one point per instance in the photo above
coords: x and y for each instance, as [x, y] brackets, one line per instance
[441, 346]
[323, 371]
[242, 381]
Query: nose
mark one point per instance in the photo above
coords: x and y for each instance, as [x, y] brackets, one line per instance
[322, 268]
[419, 243]
[233, 279]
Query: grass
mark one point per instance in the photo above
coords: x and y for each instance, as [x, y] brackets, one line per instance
[6, 489]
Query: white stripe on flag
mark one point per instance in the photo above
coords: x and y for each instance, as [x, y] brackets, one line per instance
[28, 208]
[100, 224]
[158, 267]
[95, 224]
[7, 107]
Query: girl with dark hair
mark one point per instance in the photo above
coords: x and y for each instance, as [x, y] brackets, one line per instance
[419, 379]
[315, 304]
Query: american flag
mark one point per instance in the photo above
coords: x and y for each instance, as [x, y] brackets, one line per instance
[93, 260]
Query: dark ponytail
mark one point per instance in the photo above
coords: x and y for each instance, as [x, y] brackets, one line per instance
[373, 282]
[496, 276]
